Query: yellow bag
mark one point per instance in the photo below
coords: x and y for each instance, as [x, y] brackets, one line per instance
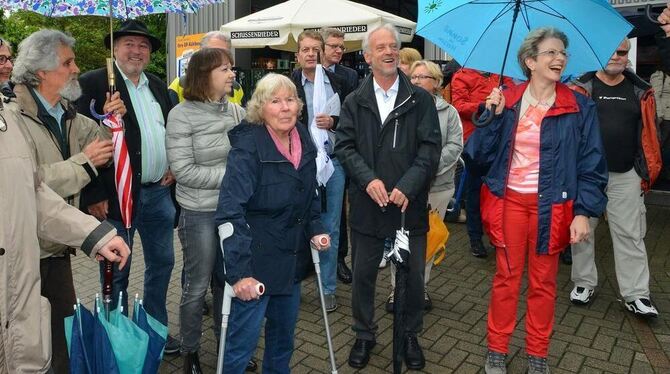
[437, 237]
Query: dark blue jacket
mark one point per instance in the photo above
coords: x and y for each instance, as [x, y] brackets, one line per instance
[573, 170]
[273, 207]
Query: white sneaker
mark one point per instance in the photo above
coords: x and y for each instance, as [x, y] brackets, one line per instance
[581, 295]
[642, 307]
[382, 263]
[495, 363]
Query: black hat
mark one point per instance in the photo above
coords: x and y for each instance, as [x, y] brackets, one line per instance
[136, 28]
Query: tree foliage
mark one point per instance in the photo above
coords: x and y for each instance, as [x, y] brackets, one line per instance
[88, 31]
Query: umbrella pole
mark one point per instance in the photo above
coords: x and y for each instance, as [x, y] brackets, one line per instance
[110, 59]
[486, 117]
[317, 268]
[107, 276]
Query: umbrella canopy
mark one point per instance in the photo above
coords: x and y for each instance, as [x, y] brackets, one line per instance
[120, 9]
[479, 33]
[157, 333]
[88, 344]
[278, 27]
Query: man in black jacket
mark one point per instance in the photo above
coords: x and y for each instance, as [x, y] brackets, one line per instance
[310, 45]
[147, 101]
[388, 140]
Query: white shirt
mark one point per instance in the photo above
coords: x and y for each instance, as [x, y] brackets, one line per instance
[386, 99]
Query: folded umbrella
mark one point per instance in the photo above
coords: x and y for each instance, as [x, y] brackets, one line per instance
[88, 344]
[157, 333]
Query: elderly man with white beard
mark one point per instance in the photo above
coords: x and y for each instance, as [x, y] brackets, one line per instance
[69, 147]
[627, 116]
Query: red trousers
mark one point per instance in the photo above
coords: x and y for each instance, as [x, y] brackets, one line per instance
[520, 236]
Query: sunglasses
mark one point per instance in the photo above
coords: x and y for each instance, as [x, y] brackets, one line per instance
[621, 52]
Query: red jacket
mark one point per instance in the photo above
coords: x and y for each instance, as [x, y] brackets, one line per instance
[469, 88]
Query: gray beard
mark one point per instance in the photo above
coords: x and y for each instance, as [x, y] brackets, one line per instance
[614, 70]
[71, 91]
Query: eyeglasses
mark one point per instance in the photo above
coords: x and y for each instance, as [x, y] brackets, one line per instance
[552, 53]
[421, 77]
[621, 52]
[4, 59]
[337, 46]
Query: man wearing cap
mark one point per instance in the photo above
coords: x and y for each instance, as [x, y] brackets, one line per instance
[147, 102]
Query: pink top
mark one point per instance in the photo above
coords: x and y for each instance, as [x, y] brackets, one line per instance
[293, 152]
[525, 168]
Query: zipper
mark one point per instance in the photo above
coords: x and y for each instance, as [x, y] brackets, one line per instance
[395, 133]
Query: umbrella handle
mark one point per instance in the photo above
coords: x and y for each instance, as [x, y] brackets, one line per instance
[485, 118]
[107, 277]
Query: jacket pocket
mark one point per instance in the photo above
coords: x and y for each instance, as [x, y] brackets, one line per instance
[491, 207]
[561, 219]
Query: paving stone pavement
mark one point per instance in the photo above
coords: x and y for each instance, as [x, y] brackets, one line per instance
[599, 338]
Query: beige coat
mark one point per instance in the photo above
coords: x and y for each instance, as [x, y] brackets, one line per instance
[65, 177]
[30, 209]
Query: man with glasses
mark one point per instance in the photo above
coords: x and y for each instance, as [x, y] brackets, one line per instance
[6, 61]
[627, 116]
[333, 51]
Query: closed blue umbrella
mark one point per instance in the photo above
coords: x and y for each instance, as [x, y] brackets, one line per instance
[157, 333]
[88, 344]
[485, 34]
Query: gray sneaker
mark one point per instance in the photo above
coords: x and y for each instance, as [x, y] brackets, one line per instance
[331, 302]
[495, 363]
[537, 365]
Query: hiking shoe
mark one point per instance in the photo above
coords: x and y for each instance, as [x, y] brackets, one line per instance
[581, 295]
[330, 302]
[495, 363]
[537, 365]
[642, 307]
[478, 249]
[389, 303]
[427, 302]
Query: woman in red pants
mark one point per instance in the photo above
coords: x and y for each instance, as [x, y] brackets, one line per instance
[546, 175]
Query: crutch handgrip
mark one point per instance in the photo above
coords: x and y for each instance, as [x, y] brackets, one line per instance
[259, 287]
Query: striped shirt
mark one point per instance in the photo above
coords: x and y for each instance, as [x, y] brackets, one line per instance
[525, 169]
[150, 119]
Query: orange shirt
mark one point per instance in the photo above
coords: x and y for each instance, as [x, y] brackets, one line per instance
[525, 169]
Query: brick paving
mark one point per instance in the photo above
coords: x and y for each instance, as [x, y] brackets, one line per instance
[599, 338]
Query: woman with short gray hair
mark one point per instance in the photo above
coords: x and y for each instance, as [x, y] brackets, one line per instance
[546, 176]
[268, 194]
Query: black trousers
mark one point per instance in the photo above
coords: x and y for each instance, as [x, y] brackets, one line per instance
[367, 252]
[58, 288]
[343, 249]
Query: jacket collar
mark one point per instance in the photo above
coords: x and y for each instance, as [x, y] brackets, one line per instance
[267, 151]
[565, 99]
[365, 94]
[28, 103]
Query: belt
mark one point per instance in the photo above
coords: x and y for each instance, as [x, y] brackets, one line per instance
[150, 184]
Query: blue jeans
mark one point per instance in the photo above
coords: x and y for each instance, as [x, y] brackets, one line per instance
[473, 185]
[331, 223]
[246, 319]
[154, 219]
[199, 242]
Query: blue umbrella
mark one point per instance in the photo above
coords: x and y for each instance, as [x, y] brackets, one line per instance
[88, 344]
[157, 333]
[485, 34]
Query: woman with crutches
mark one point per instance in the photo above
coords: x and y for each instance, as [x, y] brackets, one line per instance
[268, 194]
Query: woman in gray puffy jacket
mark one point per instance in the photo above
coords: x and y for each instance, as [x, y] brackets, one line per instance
[197, 149]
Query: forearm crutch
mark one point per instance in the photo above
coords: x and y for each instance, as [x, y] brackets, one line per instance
[226, 231]
[317, 267]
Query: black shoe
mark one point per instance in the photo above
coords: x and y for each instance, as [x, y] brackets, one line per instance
[343, 272]
[251, 365]
[360, 353]
[191, 363]
[478, 249]
[566, 255]
[413, 353]
[172, 346]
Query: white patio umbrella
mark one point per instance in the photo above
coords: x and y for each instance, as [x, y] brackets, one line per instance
[278, 27]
